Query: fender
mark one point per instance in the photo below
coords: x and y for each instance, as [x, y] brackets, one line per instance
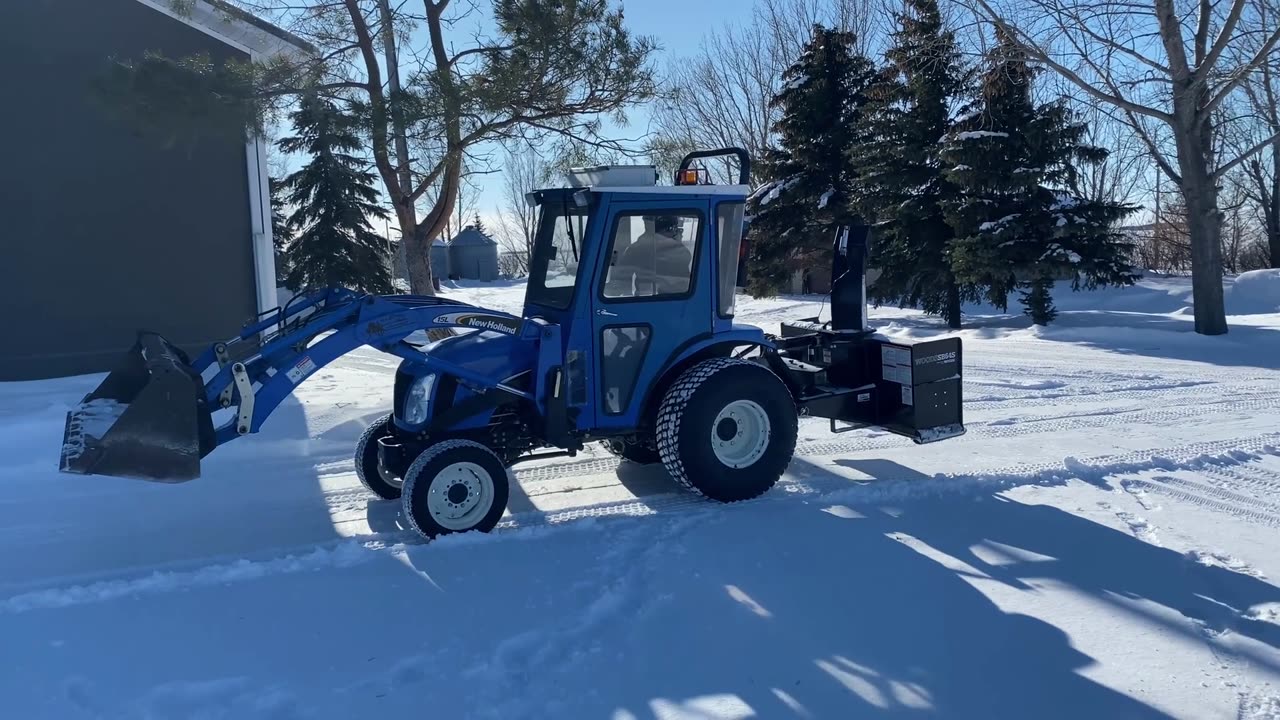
[739, 335]
[699, 348]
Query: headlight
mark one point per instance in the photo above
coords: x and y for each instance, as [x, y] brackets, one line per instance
[415, 403]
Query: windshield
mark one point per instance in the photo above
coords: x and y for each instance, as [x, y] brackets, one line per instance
[557, 251]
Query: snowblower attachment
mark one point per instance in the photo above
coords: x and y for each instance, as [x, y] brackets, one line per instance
[147, 420]
[843, 370]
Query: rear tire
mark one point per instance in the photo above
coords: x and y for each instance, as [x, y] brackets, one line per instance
[727, 429]
[368, 470]
[635, 452]
[455, 486]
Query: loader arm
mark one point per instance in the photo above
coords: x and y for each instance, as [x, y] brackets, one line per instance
[158, 416]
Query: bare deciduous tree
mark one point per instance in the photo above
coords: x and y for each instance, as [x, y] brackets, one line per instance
[430, 94]
[1261, 173]
[1119, 177]
[1167, 71]
[525, 170]
[720, 96]
[464, 209]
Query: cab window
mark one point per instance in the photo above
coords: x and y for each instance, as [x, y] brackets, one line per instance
[651, 254]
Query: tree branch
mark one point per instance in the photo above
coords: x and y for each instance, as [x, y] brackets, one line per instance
[477, 50]
[1202, 32]
[1171, 37]
[1241, 73]
[1217, 174]
[1224, 37]
[377, 103]
[1036, 52]
[1154, 149]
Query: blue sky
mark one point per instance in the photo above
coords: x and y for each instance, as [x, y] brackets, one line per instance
[678, 26]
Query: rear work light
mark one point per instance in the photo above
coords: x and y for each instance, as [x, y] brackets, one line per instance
[692, 176]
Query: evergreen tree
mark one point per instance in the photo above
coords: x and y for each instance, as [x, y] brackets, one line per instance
[811, 167]
[1019, 224]
[478, 225]
[333, 195]
[280, 233]
[902, 187]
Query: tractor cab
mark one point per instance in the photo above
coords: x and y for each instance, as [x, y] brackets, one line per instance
[634, 273]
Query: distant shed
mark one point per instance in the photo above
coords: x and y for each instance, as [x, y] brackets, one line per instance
[440, 258]
[473, 255]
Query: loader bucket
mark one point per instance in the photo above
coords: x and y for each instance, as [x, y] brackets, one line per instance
[147, 420]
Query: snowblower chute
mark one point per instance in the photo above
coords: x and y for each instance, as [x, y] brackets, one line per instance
[148, 419]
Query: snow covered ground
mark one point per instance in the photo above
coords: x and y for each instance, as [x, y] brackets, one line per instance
[1104, 543]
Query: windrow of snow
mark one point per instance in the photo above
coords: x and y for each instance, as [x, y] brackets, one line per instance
[1255, 293]
[346, 554]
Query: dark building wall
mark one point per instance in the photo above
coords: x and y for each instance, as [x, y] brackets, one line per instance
[104, 231]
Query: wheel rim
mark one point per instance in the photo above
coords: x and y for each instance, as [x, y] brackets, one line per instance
[740, 433]
[461, 495]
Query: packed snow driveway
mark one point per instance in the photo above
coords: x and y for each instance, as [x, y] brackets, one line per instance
[1104, 542]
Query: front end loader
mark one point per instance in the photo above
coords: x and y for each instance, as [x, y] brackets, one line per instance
[627, 338]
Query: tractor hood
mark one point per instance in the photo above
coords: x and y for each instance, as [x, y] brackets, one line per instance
[494, 355]
[497, 356]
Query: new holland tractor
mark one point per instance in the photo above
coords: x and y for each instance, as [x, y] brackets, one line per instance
[627, 338]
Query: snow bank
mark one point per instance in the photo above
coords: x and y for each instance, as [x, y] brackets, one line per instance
[343, 555]
[1255, 293]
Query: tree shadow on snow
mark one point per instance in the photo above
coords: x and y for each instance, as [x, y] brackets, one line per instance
[836, 618]
[791, 608]
[1021, 544]
[873, 606]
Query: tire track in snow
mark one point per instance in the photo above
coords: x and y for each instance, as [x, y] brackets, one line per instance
[531, 477]
[1161, 488]
[1263, 481]
[1179, 391]
[909, 486]
[1220, 493]
[828, 486]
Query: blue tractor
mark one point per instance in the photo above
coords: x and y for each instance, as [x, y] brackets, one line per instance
[627, 338]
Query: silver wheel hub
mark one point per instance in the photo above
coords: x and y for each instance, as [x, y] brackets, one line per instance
[461, 495]
[740, 433]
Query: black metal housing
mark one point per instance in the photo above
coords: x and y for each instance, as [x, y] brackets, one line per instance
[844, 371]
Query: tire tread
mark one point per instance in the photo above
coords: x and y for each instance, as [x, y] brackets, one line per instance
[672, 410]
[415, 470]
[367, 437]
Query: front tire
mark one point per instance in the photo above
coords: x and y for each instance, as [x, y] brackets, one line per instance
[455, 486]
[727, 429]
[368, 469]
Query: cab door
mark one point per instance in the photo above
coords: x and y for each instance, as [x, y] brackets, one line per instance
[652, 296]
